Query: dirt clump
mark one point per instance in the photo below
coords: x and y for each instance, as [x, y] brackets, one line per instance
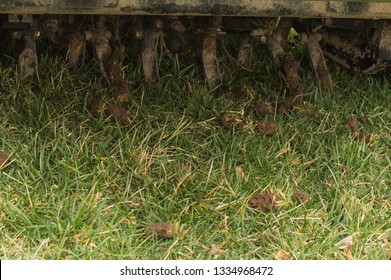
[239, 171]
[242, 92]
[329, 181]
[300, 197]
[306, 110]
[264, 201]
[231, 121]
[262, 108]
[364, 135]
[114, 112]
[162, 230]
[121, 92]
[353, 125]
[344, 169]
[348, 254]
[289, 104]
[358, 134]
[215, 250]
[266, 128]
[148, 84]
[98, 106]
[226, 121]
[282, 255]
[3, 158]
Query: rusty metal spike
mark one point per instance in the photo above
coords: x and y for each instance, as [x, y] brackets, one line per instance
[288, 67]
[244, 50]
[114, 72]
[149, 57]
[209, 61]
[76, 45]
[28, 59]
[275, 50]
[149, 43]
[317, 59]
[101, 44]
[291, 69]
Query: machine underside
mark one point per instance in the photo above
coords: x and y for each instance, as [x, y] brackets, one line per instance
[356, 34]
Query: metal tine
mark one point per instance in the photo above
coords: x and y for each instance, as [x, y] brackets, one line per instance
[28, 59]
[76, 39]
[76, 45]
[245, 49]
[68, 35]
[174, 40]
[209, 56]
[115, 76]
[150, 38]
[50, 29]
[317, 59]
[100, 38]
[115, 64]
[287, 65]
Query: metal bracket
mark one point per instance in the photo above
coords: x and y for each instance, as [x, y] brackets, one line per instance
[14, 18]
[16, 21]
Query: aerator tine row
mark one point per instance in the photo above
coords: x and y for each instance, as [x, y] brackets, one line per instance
[362, 45]
[109, 52]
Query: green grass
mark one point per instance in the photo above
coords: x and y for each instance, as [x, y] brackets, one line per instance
[82, 187]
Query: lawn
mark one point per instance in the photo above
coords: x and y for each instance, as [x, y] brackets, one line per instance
[79, 186]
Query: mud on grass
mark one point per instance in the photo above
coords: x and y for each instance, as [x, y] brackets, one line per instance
[80, 186]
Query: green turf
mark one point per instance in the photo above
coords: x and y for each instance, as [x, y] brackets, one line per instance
[78, 186]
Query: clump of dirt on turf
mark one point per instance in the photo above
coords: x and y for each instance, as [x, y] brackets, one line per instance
[239, 171]
[264, 201]
[289, 104]
[114, 112]
[230, 121]
[162, 230]
[266, 128]
[282, 255]
[3, 158]
[215, 250]
[98, 106]
[365, 135]
[329, 181]
[242, 92]
[300, 197]
[306, 110]
[226, 121]
[354, 126]
[121, 92]
[344, 169]
[262, 108]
